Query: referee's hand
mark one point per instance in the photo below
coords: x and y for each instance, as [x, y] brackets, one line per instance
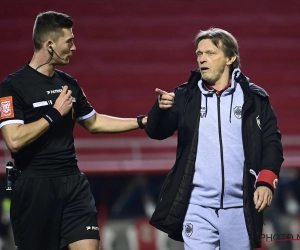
[63, 102]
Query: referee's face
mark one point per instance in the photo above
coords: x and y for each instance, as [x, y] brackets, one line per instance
[64, 47]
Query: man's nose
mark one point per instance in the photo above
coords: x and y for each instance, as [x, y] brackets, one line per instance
[201, 58]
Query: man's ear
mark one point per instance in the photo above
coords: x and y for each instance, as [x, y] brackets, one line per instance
[230, 60]
[48, 45]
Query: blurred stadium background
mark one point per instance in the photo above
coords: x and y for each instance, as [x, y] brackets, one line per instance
[125, 49]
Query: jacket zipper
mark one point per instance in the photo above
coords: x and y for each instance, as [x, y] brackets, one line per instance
[221, 152]
[249, 223]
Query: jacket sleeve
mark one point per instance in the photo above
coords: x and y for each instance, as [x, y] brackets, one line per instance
[162, 123]
[272, 152]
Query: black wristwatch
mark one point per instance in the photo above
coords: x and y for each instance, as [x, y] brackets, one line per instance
[140, 121]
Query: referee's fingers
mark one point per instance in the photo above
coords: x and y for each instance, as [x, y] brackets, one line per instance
[69, 93]
[64, 90]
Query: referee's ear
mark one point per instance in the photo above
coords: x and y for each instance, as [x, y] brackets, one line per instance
[49, 45]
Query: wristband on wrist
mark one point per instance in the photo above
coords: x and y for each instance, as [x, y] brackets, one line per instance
[140, 121]
[52, 116]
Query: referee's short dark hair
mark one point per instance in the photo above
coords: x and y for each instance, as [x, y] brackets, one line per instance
[229, 43]
[49, 25]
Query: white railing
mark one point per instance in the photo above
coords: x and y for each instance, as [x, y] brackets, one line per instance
[142, 154]
[93, 160]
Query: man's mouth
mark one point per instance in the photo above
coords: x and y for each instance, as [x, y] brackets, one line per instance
[204, 69]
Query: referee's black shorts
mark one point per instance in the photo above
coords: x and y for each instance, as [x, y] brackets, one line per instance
[50, 213]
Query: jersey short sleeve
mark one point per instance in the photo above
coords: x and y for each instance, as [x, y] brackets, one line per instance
[11, 104]
[83, 109]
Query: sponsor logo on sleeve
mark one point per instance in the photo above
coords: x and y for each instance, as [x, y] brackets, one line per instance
[6, 108]
[258, 122]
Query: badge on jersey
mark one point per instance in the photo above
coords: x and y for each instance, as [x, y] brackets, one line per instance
[6, 108]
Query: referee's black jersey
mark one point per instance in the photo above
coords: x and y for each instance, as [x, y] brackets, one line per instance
[25, 96]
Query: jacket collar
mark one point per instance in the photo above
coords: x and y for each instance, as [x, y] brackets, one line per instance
[230, 88]
[237, 76]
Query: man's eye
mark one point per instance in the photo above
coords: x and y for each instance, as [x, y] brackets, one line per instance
[210, 53]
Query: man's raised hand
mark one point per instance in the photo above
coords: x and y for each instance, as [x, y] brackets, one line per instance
[165, 99]
[63, 102]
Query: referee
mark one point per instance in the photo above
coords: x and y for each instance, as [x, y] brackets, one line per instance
[52, 206]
